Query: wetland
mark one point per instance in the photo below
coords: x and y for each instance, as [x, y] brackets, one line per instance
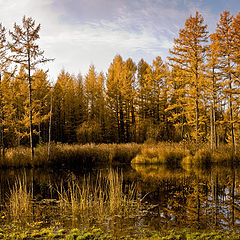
[122, 200]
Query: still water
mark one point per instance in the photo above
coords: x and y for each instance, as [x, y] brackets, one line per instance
[171, 198]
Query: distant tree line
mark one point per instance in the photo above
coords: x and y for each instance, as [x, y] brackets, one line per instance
[193, 97]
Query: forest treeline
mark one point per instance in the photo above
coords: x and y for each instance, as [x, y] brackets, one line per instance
[194, 96]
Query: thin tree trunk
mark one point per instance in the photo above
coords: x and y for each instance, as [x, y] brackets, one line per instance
[197, 98]
[133, 122]
[128, 122]
[211, 125]
[30, 105]
[214, 125]
[49, 129]
[213, 113]
[122, 132]
[231, 114]
[232, 124]
[197, 122]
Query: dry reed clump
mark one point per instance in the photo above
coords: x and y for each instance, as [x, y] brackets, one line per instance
[68, 155]
[105, 197]
[161, 153]
[16, 157]
[205, 156]
[20, 205]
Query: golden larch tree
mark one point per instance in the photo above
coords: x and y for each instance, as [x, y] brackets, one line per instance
[188, 54]
[26, 52]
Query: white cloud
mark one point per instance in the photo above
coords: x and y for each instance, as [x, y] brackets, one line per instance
[78, 33]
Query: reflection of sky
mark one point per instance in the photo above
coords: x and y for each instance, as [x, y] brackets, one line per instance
[78, 33]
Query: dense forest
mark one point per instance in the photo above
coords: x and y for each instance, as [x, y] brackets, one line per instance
[194, 96]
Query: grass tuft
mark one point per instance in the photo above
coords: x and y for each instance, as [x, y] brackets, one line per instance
[100, 199]
[20, 205]
[161, 153]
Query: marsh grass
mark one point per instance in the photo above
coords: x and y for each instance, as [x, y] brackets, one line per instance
[70, 155]
[172, 154]
[204, 156]
[105, 197]
[161, 153]
[20, 204]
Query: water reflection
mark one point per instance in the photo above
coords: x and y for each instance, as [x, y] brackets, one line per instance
[178, 197]
[190, 196]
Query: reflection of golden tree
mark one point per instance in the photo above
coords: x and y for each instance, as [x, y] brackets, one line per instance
[189, 203]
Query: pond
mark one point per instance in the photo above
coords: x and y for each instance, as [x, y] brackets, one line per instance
[164, 198]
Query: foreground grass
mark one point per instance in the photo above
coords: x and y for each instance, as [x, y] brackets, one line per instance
[93, 234]
[101, 200]
[85, 201]
[90, 154]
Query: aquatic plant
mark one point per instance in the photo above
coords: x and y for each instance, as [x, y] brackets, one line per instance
[20, 205]
[100, 199]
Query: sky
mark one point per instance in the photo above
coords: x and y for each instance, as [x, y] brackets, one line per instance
[78, 33]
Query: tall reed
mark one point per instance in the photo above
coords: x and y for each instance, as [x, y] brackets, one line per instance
[99, 199]
[20, 205]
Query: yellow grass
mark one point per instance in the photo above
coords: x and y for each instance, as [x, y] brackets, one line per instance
[65, 154]
[91, 154]
[99, 200]
[20, 205]
[163, 153]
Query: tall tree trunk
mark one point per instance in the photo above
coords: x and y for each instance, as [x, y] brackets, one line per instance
[197, 122]
[231, 112]
[213, 127]
[133, 122]
[128, 122]
[122, 132]
[49, 129]
[231, 121]
[214, 124]
[30, 105]
[197, 102]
